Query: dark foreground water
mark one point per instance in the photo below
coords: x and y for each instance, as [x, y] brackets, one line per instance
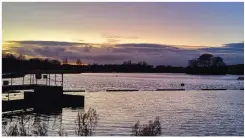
[182, 113]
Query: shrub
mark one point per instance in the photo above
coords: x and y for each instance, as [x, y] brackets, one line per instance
[151, 129]
[86, 123]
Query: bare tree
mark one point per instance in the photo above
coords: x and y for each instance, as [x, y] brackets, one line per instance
[86, 123]
[79, 62]
[151, 129]
[65, 61]
[21, 57]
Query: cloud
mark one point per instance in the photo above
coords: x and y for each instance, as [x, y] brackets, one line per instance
[112, 41]
[156, 54]
[232, 53]
[115, 39]
[228, 48]
[111, 57]
[49, 43]
[87, 48]
[50, 51]
[72, 53]
[119, 37]
[143, 48]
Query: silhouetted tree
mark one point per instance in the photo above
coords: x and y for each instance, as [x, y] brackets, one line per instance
[217, 61]
[207, 64]
[143, 63]
[46, 60]
[236, 69]
[207, 60]
[21, 57]
[54, 61]
[65, 61]
[206, 57]
[129, 62]
[151, 129]
[8, 56]
[79, 62]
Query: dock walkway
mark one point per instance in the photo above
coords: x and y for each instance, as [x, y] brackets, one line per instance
[7, 88]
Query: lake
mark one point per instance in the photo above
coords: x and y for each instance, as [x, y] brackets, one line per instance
[193, 112]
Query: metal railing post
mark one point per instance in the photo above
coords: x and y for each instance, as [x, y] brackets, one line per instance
[30, 78]
[62, 80]
[36, 78]
[49, 79]
[55, 79]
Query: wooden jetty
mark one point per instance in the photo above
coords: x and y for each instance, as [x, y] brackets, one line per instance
[121, 90]
[170, 89]
[43, 96]
[73, 90]
[212, 89]
[11, 88]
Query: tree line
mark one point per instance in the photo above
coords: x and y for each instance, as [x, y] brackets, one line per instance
[205, 64]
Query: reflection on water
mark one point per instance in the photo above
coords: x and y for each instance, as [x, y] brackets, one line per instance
[148, 82]
[182, 113]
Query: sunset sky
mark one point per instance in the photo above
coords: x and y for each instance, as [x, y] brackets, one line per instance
[115, 32]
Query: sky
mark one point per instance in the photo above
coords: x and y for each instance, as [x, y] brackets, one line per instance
[108, 33]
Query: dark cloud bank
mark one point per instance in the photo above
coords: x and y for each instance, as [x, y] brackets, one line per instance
[155, 54]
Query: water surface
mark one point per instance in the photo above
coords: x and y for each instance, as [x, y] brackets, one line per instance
[182, 113]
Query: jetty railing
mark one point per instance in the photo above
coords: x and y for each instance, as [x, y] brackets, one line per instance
[49, 93]
[35, 77]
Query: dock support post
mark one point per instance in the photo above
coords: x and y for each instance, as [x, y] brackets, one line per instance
[23, 80]
[11, 80]
[49, 79]
[30, 78]
[62, 80]
[55, 79]
[8, 95]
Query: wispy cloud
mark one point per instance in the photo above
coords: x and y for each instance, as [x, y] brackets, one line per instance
[118, 37]
[49, 43]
